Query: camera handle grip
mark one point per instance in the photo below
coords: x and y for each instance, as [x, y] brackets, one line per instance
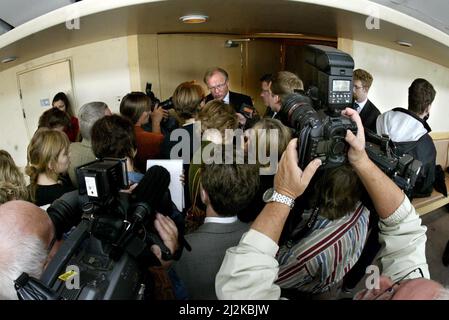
[155, 239]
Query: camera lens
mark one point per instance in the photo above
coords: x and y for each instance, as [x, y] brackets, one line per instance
[297, 111]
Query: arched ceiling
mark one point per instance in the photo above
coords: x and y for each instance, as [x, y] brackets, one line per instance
[328, 19]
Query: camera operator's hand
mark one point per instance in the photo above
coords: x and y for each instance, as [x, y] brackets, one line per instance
[169, 234]
[356, 152]
[156, 117]
[290, 180]
[384, 193]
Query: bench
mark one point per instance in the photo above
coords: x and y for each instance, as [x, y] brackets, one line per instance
[436, 200]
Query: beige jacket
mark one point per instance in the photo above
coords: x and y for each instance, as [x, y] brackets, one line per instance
[250, 269]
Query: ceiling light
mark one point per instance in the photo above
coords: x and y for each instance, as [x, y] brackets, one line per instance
[8, 59]
[194, 18]
[404, 43]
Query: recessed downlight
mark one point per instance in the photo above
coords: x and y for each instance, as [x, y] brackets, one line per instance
[404, 43]
[194, 18]
[8, 59]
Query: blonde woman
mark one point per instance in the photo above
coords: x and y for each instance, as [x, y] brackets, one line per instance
[12, 181]
[48, 162]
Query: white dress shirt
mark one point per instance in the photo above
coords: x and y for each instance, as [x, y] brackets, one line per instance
[361, 105]
[226, 98]
[220, 219]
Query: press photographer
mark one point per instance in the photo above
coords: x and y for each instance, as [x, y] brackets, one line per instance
[402, 259]
[169, 122]
[331, 207]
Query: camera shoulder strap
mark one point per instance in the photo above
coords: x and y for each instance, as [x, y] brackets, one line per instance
[301, 233]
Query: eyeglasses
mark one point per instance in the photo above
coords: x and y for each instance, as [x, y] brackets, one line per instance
[390, 291]
[218, 86]
[357, 87]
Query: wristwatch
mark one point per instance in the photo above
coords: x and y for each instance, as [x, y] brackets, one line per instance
[271, 195]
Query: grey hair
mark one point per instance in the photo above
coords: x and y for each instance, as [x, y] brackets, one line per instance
[443, 294]
[26, 254]
[88, 114]
[210, 72]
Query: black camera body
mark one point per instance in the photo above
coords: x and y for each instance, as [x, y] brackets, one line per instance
[403, 169]
[320, 135]
[166, 104]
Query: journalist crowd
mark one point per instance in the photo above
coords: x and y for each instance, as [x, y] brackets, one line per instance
[298, 229]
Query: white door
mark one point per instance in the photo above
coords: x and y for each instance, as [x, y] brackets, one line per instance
[38, 87]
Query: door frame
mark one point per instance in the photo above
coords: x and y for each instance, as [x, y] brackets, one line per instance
[40, 66]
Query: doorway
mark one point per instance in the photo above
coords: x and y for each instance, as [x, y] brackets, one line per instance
[37, 88]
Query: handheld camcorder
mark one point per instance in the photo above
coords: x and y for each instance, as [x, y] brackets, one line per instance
[107, 255]
[321, 129]
[166, 104]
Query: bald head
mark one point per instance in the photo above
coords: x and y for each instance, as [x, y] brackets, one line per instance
[409, 289]
[20, 218]
[26, 232]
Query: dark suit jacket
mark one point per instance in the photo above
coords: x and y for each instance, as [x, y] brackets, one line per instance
[369, 116]
[197, 269]
[235, 99]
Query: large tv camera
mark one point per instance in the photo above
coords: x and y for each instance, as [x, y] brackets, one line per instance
[107, 255]
[321, 129]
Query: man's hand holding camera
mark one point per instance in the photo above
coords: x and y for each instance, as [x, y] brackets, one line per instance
[290, 180]
[356, 153]
[385, 194]
[169, 234]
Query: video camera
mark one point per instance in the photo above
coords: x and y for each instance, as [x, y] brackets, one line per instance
[402, 169]
[108, 253]
[321, 129]
[166, 104]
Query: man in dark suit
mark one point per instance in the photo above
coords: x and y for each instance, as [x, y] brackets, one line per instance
[225, 190]
[217, 81]
[367, 110]
[265, 83]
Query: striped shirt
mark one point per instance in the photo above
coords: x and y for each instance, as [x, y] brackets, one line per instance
[321, 259]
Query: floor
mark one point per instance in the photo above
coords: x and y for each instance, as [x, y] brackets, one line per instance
[437, 223]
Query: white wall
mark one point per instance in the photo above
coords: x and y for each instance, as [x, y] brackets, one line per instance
[394, 71]
[100, 72]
